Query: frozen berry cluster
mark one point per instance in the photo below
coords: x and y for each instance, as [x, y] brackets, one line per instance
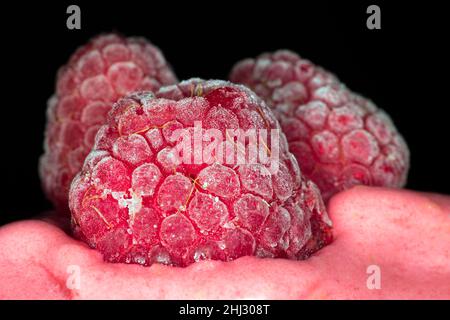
[156, 171]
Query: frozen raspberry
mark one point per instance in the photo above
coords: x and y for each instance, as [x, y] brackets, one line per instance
[282, 79]
[96, 75]
[339, 138]
[141, 198]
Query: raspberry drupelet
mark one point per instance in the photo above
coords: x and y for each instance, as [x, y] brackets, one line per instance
[138, 199]
[97, 74]
[339, 138]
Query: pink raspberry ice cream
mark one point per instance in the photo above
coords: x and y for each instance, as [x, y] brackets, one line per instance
[403, 234]
[96, 75]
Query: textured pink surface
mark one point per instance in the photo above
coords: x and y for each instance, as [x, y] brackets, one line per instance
[406, 234]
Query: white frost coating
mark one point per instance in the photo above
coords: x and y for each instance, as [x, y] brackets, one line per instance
[325, 145]
[229, 225]
[245, 63]
[313, 113]
[144, 97]
[110, 52]
[221, 244]
[105, 192]
[289, 92]
[88, 60]
[162, 258]
[344, 119]
[133, 204]
[331, 94]
[274, 83]
[51, 108]
[257, 179]
[132, 149]
[209, 85]
[140, 260]
[115, 68]
[167, 89]
[145, 178]
[101, 133]
[94, 157]
[260, 66]
[360, 146]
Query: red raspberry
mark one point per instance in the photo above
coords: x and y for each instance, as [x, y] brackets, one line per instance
[96, 75]
[282, 79]
[339, 138]
[137, 202]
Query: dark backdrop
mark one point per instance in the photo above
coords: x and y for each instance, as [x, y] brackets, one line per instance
[403, 67]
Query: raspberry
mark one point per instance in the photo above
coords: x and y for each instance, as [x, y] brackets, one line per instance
[339, 138]
[140, 199]
[96, 75]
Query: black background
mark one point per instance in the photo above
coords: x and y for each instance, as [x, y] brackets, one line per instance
[403, 67]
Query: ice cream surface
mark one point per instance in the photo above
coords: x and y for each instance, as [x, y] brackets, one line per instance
[389, 244]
